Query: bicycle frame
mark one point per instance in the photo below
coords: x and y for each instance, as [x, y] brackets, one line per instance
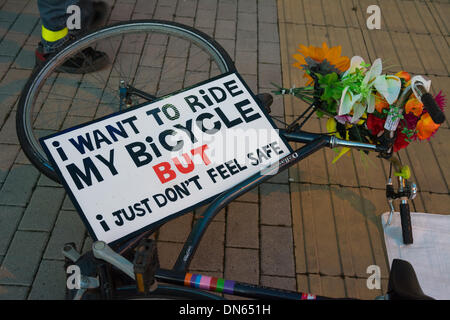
[193, 282]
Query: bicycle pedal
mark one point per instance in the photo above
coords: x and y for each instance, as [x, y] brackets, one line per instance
[70, 252]
[145, 265]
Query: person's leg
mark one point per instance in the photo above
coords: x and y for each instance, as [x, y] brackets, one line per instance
[54, 23]
[53, 13]
[54, 18]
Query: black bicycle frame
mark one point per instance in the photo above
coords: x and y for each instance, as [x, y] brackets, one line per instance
[225, 198]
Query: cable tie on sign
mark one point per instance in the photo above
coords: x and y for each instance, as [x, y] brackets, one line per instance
[288, 91]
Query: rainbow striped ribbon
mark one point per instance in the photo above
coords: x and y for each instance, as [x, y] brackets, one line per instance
[209, 283]
[308, 296]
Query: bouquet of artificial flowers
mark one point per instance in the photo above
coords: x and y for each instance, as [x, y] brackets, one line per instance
[360, 101]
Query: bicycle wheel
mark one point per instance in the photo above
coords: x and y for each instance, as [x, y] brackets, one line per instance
[153, 56]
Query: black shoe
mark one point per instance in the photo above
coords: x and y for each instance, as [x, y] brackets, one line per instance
[87, 60]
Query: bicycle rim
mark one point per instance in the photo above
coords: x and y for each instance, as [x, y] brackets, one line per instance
[157, 57]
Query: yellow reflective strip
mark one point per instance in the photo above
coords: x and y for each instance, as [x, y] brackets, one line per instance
[140, 282]
[52, 36]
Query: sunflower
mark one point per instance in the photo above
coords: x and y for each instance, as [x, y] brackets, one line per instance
[330, 57]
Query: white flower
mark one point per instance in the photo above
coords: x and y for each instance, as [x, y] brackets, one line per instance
[355, 62]
[388, 86]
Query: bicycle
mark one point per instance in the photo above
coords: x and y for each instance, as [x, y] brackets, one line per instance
[106, 271]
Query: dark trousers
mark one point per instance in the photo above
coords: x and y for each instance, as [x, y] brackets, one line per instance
[53, 13]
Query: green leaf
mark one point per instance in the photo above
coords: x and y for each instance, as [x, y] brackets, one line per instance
[319, 113]
[337, 93]
[333, 77]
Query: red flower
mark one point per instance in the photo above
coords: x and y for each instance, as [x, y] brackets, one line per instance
[375, 124]
[400, 141]
[411, 123]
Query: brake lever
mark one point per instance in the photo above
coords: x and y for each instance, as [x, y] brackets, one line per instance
[406, 192]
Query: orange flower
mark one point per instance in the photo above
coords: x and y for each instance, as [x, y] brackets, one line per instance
[426, 127]
[415, 106]
[332, 55]
[404, 75]
[380, 103]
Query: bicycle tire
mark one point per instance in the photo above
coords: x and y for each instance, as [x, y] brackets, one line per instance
[27, 116]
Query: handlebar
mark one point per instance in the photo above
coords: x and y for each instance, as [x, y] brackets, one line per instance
[433, 109]
[429, 104]
[336, 142]
[405, 220]
[333, 141]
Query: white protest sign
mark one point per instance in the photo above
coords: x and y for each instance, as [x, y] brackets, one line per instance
[136, 167]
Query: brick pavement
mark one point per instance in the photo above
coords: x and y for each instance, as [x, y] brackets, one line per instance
[316, 231]
[336, 208]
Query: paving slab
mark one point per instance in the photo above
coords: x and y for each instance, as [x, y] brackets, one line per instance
[9, 153]
[50, 281]
[13, 292]
[242, 265]
[23, 258]
[433, 203]
[42, 209]
[276, 246]
[411, 39]
[68, 228]
[275, 208]
[439, 11]
[9, 219]
[285, 283]
[168, 253]
[176, 230]
[357, 288]
[210, 253]
[19, 185]
[242, 225]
